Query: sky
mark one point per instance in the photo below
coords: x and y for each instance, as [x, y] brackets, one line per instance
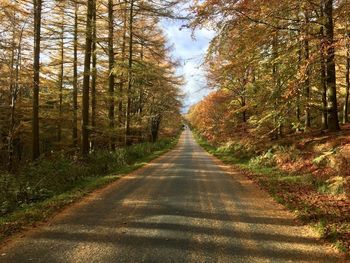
[190, 52]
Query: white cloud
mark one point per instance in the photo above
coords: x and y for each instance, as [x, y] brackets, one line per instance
[190, 51]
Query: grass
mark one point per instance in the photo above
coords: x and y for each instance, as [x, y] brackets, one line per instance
[291, 190]
[34, 211]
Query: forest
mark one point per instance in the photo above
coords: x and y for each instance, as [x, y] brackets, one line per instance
[92, 90]
[86, 88]
[280, 66]
[279, 108]
[79, 77]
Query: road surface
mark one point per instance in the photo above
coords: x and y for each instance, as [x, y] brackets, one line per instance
[183, 207]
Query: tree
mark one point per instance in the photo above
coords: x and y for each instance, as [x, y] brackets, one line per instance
[130, 77]
[111, 109]
[93, 73]
[75, 75]
[36, 79]
[333, 122]
[86, 79]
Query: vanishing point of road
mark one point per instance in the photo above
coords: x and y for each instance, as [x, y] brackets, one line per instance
[183, 207]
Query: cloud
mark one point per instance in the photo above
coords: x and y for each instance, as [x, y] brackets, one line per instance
[190, 51]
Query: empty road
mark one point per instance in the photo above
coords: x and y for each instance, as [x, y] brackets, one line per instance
[182, 207]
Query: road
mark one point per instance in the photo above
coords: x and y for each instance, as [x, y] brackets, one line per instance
[182, 207]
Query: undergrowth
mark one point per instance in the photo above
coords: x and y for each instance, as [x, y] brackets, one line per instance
[314, 200]
[47, 185]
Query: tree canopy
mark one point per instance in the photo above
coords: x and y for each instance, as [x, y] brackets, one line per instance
[284, 65]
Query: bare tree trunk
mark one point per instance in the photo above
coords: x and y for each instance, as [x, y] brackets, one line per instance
[111, 73]
[308, 73]
[94, 75]
[244, 113]
[140, 97]
[75, 76]
[59, 132]
[155, 124]
[128, 106]
[14, 94]
[10, 145]
[86, 80]
[347, 77]
[332, 106]
[121, 85]
[323, 76]
[275, 76]
[298, 110]
[324, 94]
[36, 79]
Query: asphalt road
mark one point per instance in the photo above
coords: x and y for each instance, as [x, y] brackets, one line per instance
[183, 207]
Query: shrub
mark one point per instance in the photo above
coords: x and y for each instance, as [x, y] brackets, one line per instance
[238, 150]
[267, 159]
[52, 176]
[8, 192]
[102, 162]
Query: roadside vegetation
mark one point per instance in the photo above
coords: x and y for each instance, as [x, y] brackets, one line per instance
[300, 174]
[43, 188]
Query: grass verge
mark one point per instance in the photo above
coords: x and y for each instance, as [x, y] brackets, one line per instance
[29, 214]
[297, 192]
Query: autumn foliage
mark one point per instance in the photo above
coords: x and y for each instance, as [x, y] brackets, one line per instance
[280, 74]
[284, 64]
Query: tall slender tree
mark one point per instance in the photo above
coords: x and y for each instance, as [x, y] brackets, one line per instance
[86, 78]
[94, 73]
[36, 79]
[75, 75]
[130, 74]
[111, 82]
[333, 121]
[347, 73]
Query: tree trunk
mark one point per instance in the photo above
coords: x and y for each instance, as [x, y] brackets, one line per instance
[298, 108]
[121, 84]
[13, 95]
[308, 73]
[111, 73]
[13, 142]
[59, 128]
[75, 76]
[324, 94]
[323, 76]
[128, 106]
[347, 77]
[332, 106]
[86, 80]
[140, 97]
[36, 79]
[275, 75]
[155, 124]
[244, 112]
[94, 75]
